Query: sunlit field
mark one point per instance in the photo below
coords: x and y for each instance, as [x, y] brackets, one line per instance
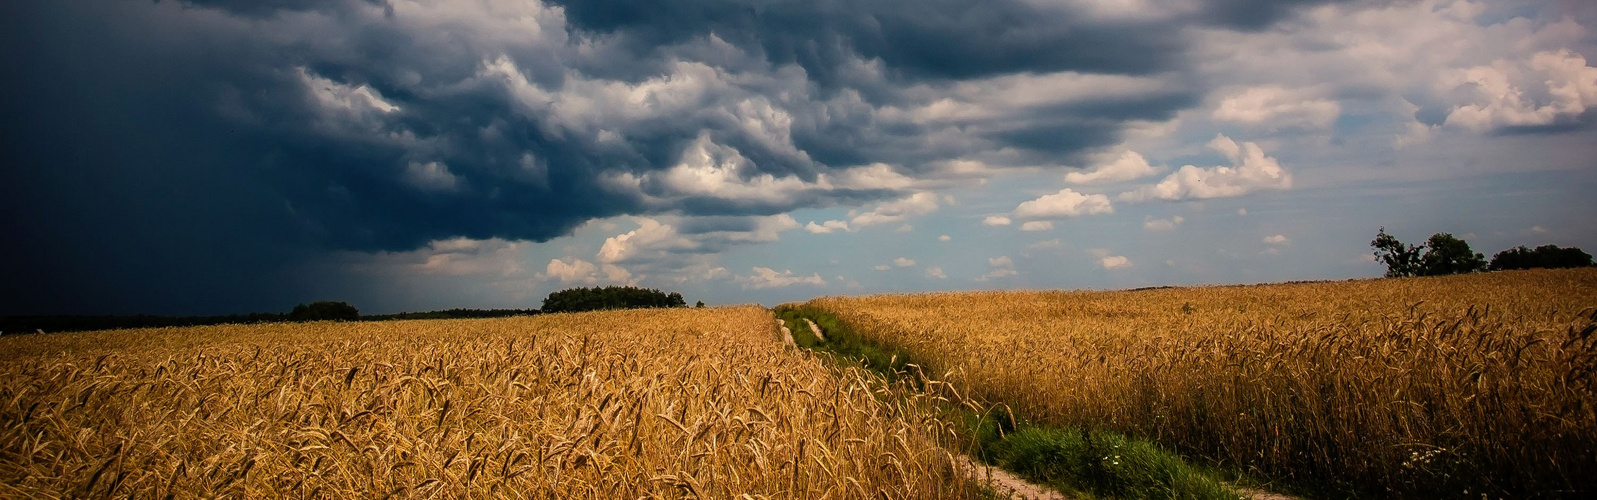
[646, 403]
[1474, 385]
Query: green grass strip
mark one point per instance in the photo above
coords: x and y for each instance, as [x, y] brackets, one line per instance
[1101, 463]
[842, 341]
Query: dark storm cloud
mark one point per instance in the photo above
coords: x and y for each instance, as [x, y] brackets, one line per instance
[184, 157]
[926, 39]
[1252, 14]
[268, 8]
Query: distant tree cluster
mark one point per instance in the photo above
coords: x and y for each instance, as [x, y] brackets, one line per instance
[610, 297]
[1445, 254]
[1545, 256]
[326, 310]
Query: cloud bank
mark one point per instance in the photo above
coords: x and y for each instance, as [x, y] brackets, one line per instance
[198, 156]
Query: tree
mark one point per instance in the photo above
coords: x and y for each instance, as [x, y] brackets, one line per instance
[1545, 256]
[324, 310]
[1442, 254]
[1401, 260]
[1449, 255]
[699, 305]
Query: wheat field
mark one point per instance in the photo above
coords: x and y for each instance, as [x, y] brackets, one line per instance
[628, 404]
[1480, 385]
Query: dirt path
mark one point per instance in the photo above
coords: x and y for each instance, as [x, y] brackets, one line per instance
[813, 328]
[1004, 484]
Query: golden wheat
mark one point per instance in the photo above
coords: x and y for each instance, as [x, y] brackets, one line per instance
[654, 403]
[1480, 381]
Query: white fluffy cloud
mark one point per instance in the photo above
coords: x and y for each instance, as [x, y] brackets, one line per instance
[1274, 107]
[765, 277]
[826, 227]
[998, 267]
[1108, 260]
[707, 169]
[996, 220]
[1550, 88]
[1130, 165]
[1115, 262]
[581, 271]
[1037, 225]
[682, 249]
[944, 238]
[566, 272]
[665, 238]
[649, 238]
[1276, 239]
[917, 204]
[935, 272]
[903, 262]
[1153, 224]
[1250, 170]
[1066, 203]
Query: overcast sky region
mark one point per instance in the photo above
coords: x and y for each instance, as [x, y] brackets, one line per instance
[221, 156]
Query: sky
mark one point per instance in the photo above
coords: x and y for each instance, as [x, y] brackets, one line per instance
[219, 156]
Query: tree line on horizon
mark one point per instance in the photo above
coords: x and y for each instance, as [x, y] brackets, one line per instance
[568, 300]
[1444, 254]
